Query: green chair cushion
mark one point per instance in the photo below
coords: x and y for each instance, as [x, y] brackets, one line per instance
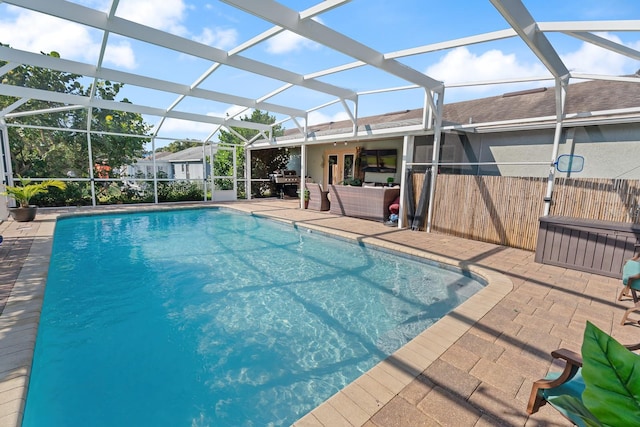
[631, 268]
[574, 388]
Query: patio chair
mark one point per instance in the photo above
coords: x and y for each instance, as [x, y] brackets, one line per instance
[632, 292]
[318, 199]
[568, 382]
[630, 272]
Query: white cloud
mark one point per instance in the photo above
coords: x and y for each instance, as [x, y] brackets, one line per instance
[286, 42]
[461, 65]
[186, 129]
[316, 117]
[170, 16]
[35, 32]
[121, 55]
[596, 60]
[218, 37]
[165, 15]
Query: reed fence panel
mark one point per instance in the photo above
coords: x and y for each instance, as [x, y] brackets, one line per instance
[597, 198]
[506, 210]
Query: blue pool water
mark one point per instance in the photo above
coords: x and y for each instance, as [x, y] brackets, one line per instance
[210, 318]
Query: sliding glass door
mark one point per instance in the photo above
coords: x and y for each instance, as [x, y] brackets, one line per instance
[339, 165]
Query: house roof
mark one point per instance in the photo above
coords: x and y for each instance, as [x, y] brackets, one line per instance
[161, 155]
[619, 99]
[583, 97]
[193, 154]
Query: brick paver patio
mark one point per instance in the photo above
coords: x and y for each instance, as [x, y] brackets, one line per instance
[477, 371]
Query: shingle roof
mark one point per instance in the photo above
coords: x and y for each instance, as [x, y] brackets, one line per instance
[596, 95]
[192, 154]
[162, 154]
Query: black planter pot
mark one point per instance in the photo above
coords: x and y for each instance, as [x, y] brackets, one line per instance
[24, 214]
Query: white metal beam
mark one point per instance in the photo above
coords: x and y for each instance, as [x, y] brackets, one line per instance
[450, 44]
[561, 96]
[493, 36]
[437, 135]
[8, 67]
[606, 44]
[501, 81]
[322, 7]
[465, 41]
[6, 171]
[290, 19]
[45, 111]
[517, 15]
[96, 19]
[74, 67]
[13, 106]
[602, 77]
[306, 14]
[65, 98]
[590, 26]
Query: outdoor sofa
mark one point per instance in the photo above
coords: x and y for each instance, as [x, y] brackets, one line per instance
[318, 199]
[362, 202]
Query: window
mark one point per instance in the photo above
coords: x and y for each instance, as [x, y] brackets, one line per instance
[339, 166]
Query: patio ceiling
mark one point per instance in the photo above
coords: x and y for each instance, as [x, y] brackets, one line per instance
[289, 95]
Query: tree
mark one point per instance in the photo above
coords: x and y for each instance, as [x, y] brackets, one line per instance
[114, 149]
[180, 145]
[263, 161]
[57, 153]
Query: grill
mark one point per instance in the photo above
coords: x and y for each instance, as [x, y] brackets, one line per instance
[285, 177]
[286, 181]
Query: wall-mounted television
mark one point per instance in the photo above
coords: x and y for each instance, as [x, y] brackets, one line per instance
[379, 160]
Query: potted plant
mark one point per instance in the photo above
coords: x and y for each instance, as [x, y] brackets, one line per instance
[23, 193]
[306, 198]
[354, 182]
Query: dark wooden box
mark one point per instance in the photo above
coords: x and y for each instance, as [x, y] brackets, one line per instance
[592, 246]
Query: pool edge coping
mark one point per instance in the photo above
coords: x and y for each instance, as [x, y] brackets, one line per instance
[19, 324]
[354, 404]
[366, 395]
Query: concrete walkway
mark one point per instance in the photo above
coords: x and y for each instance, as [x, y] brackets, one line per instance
[474, 368]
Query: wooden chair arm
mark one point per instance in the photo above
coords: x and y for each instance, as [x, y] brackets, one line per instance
[573, 362]
[568, 356]
[633, 347]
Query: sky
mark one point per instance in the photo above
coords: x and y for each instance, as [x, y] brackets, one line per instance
[385, 26]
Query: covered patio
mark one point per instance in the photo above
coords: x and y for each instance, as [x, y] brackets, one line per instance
[476, 365]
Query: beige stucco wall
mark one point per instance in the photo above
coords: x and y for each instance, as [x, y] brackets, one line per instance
[611, 151]
[315, 157]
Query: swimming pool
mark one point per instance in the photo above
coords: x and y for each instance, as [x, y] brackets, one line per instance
[209, 318]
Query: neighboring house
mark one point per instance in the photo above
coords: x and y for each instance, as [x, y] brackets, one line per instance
[185, 164]
[188, 164]
[601, 123]
[143, 168]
